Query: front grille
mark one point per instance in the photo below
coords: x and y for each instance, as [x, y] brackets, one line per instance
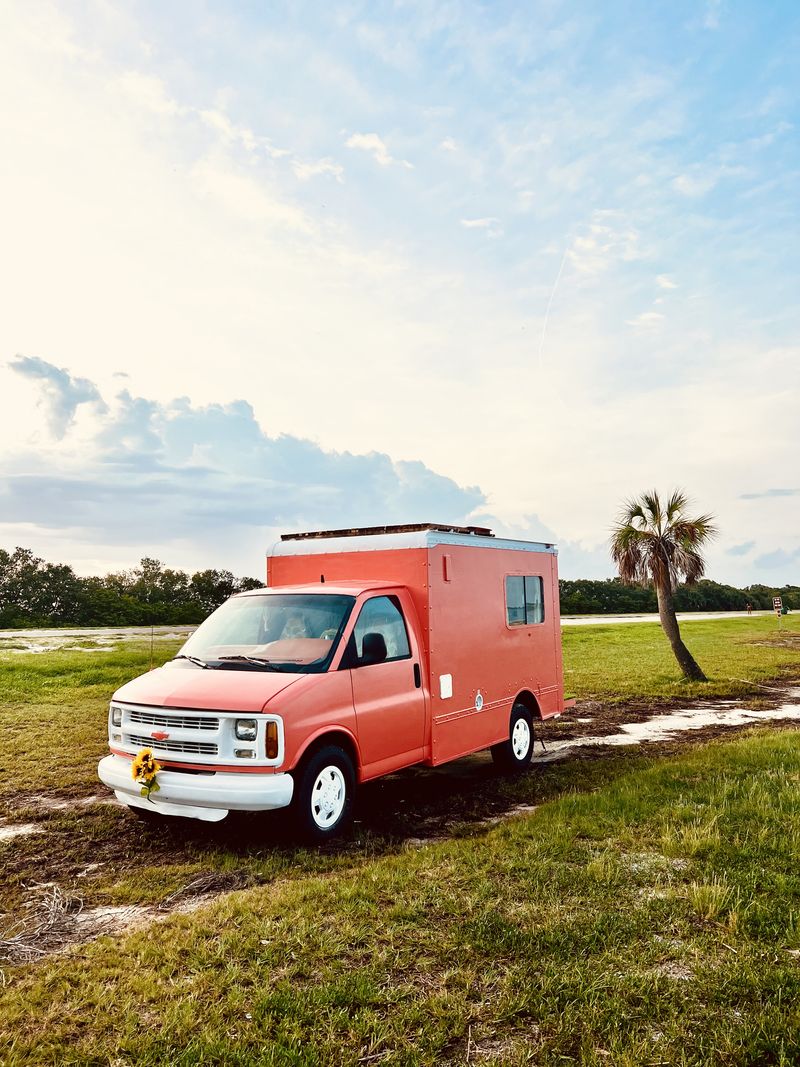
[176, 721]
[205, 748]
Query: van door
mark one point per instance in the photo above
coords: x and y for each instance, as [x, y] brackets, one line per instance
[389, 701]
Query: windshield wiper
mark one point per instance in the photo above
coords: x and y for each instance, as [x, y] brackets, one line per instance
[259, 662]
[193, 659]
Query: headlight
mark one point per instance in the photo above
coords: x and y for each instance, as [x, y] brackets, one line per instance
[246, 729]
[116, 715]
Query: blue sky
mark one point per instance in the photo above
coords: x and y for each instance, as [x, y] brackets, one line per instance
[292, 265]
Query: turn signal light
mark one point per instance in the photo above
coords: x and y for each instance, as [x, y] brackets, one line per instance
[272, 740]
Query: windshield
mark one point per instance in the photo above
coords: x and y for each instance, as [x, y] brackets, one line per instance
[293, 632]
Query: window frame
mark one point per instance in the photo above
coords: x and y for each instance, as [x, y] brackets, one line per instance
[351, 660]
[524, 622]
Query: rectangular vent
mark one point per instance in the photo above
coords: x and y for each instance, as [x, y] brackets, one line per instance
[176, 721]
[205, 748]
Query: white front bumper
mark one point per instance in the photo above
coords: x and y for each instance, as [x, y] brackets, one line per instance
[198, 796]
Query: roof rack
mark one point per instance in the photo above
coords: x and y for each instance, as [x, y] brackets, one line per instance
[367, 531]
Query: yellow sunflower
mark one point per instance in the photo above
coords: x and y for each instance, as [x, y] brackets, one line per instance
[145, 767]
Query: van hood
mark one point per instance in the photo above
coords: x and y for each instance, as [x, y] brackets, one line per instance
[213, 690]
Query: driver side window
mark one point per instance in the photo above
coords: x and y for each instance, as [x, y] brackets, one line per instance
[380, 634]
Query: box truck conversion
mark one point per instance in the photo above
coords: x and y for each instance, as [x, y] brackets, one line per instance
[367, 651]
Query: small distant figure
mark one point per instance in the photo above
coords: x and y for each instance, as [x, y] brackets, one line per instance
[749, 608]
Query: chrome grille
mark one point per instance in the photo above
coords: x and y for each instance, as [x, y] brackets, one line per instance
[176, 722]
[205, 748]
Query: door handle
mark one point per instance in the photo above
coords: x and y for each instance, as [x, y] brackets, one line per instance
[417, 676]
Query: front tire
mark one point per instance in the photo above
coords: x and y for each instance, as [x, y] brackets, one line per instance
[323, 800]
[515, 754]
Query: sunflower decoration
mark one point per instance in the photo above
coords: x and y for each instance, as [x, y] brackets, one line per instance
[144, 770]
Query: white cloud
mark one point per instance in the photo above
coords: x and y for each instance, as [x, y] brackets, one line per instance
[150, 472]
[388, 46]
[372, 143]
[696, 182]
[304, 171]
[712, 13]
[664, 281]
[148, 92]
[246, 198]
[490, 225]
[648, 320]
[449, 145]
[61, 394]
[606, 240]
[230, 132]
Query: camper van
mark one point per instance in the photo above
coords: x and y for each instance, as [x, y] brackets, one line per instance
[367, 651]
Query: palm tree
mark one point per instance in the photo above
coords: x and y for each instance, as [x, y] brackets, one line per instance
[658, 543]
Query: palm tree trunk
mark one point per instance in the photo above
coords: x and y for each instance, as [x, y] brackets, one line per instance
[669, 624]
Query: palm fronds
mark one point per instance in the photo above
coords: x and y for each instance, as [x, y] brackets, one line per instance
[660, 543]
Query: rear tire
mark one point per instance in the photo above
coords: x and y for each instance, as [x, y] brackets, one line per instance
[323, 798]
[515, 754]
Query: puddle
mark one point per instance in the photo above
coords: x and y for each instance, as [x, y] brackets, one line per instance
[8, 831]
[665, 727]
[101, 639]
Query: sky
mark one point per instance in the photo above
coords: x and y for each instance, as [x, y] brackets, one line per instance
[271, 267]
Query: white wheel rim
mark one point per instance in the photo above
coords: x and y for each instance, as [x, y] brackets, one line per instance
[328, 797]
[521, 739]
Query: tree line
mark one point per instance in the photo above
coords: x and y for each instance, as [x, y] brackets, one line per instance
[36, 593]
[614, 597]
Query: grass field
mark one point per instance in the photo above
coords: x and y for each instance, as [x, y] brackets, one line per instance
[633, 661]
[65, 694]
[648, 912]
[652, 921]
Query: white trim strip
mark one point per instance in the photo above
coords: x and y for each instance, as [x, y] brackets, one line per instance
[410, 539]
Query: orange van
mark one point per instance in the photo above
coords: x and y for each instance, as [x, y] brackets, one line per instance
[368, 651]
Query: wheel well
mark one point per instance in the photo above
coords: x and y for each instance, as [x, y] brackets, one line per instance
[530, 702]
[334, 737]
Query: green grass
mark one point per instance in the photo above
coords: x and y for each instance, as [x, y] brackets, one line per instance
[63, 696]
[633, 661]
[644, 914]
[653, 920]
[60, 699]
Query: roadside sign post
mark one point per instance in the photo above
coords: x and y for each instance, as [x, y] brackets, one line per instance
[777, 604]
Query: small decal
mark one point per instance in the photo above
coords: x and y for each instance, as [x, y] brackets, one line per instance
[479, 701]
[445, 686]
